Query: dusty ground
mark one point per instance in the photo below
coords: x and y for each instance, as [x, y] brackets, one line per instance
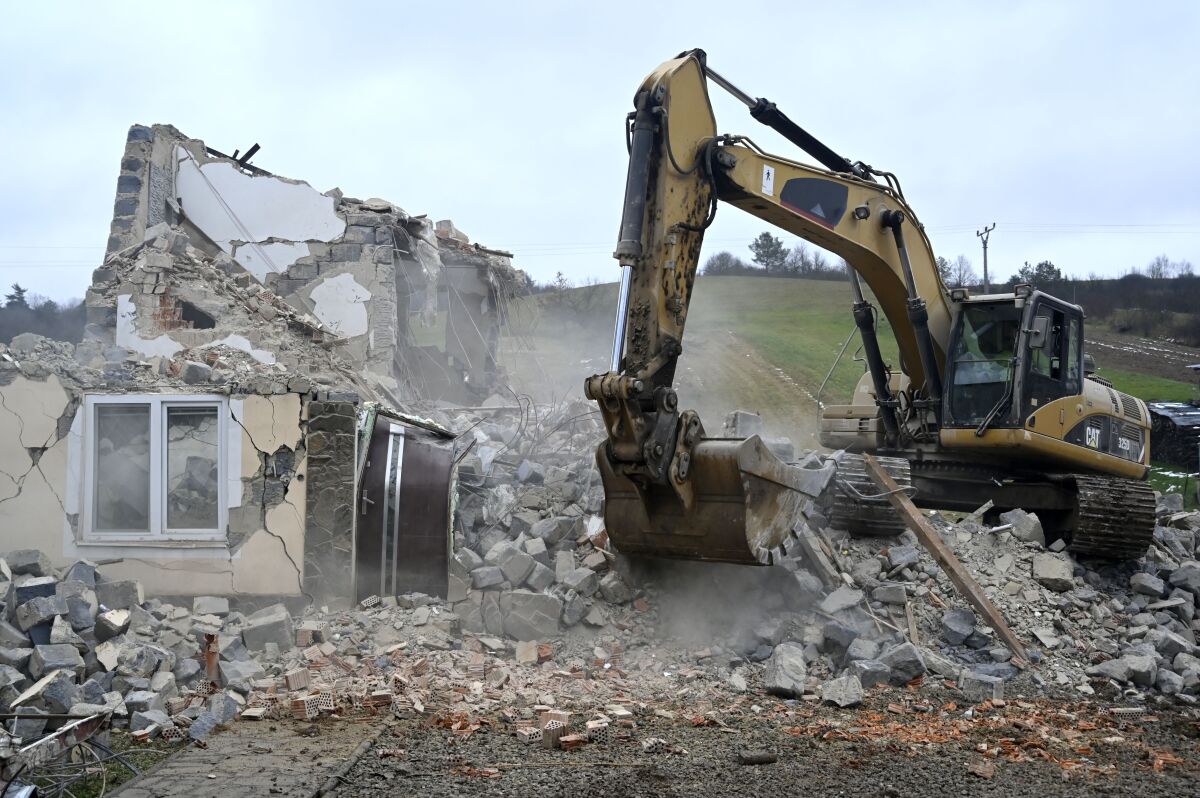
[1023, 748]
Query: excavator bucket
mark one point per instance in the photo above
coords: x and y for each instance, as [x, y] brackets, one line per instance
[746, 503]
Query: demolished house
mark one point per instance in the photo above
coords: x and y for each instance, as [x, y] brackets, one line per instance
[247, 341]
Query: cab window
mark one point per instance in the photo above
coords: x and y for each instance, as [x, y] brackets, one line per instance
[981, 361]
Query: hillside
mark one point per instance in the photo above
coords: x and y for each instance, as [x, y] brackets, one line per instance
[768, 344]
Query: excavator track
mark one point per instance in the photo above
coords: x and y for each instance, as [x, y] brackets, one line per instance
[1115, 519]
[864, 517]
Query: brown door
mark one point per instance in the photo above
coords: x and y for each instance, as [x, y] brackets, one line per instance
[403, 538]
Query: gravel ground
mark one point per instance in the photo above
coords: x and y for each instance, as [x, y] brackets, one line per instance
[1031, 748]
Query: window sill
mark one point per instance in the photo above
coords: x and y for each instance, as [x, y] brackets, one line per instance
[155, 543]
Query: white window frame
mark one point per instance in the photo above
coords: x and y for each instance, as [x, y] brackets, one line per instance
[159, 531]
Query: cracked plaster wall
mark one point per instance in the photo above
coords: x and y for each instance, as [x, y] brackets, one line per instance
[41, 450]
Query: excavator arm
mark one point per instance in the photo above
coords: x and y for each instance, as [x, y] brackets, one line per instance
[670, 489]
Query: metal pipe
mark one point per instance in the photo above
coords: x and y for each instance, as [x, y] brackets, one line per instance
[864, 319]
[618, 347]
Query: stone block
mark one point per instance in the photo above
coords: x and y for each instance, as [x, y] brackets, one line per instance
[27, 588]
[845, 691]
[145, 720]
[29, 561]
[110, 624]
[1147, 584]
[564, 564]
[890, 593]
[905, 662]
[980, 687]
[840, 600]
[13, 637]
[836, 639]
[48, 658]
[1142, 669]
[120, 595]
[40, 610]
[786, 671]
[238, 674]
[512, 561]
[531, 616]
[902, 557]
[487, 576]
[871, 672]
[1187, 577]
[957, 626]
[465, 561]
[540, 577]
[143, 701]
[1054, 572]
[574, 607]
[583, 581]
[270, 625]
[614, 589]
[536, 548]
[15, 657]
[1025, 526]
[210, 605]
[81, 571]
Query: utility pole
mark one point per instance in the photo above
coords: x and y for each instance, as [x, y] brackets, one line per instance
[983, 236]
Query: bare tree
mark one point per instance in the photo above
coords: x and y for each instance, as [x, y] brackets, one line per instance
[1159, 268]
[961, 273]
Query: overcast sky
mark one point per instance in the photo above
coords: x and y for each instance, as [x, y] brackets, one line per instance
[1072, 126]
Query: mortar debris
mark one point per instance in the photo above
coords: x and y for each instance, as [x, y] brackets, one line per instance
[543, 615]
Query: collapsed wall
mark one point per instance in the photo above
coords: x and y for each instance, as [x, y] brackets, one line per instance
[414, 304]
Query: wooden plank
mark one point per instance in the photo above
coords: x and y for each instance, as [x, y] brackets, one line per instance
[932, 541]
[912, 624]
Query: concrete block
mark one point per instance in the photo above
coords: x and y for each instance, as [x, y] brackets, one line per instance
[48, 658]
[29, 561]
[270, 625]
[110, 624]
[786, 671]
[143, 701]
[583, 581]
[41, 610]
[120, 595]
[905, 662]
[845, 691]
[540, 577]
[210, 605]
[531, 616]
[614, 589]
[487, 576]
[1054, 571]
[81, 571]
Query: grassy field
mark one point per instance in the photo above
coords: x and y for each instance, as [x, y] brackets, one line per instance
[795, 326]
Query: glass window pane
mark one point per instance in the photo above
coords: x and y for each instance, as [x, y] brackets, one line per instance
[122, 483]
[193, 473]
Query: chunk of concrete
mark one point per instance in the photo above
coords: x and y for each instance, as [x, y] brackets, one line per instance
[120, 595]
[29, 561]
[269, 625]
[1025, 526]
[48, 658]
[1142, 669]
[841, 599]
[890, 593]
[540, 577]
[1054, 572]
[531, 616]
[143, 701]
[871, 672]
[145, 720]
[238, 674]
[1147, 584]
[845, 691]
[110, 624]
[957, 626]
[81, 571]
[210, 605]
[1187, 577]
[614, 589]
[40, 610]
[902, 557]
[583, 581]
[905, 662]
[786, 671]
[486, 576]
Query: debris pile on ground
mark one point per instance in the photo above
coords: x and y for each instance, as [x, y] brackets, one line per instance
[543, 615]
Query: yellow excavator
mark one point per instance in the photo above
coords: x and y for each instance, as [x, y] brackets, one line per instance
[992, 399]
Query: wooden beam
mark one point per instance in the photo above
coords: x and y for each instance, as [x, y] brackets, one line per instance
[932, 541]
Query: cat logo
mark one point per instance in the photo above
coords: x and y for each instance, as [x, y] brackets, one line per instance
[1093, 437]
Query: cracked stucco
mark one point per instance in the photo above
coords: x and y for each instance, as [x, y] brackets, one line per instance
[41, 489]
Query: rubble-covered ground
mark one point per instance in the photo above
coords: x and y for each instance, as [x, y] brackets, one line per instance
[854, 657]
